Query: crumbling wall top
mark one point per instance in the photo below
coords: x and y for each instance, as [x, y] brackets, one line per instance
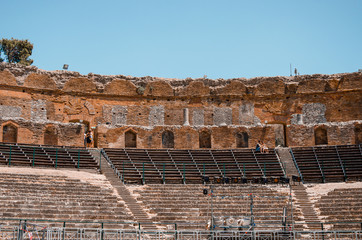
[31, 76]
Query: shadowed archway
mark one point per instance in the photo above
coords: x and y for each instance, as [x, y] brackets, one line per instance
[168, 139]
[130, 139]
[10, 133]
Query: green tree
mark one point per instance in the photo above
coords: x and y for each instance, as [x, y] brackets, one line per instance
[16, 51]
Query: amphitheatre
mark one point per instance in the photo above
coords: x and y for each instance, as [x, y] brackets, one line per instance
[176, 158]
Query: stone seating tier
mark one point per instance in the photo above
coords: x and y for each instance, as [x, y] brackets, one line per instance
[341, 205]
[329, 163]
[186, 204]
[50, 156]
[25, 196]
[153, 166]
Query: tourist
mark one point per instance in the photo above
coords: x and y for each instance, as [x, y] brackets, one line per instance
[258, 147]
[264, 148]
[89, 139]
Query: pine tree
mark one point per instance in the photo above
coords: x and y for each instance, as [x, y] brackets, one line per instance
[16, 51]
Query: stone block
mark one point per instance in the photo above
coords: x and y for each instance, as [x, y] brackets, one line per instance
[10, 111]
[223, 137]
[38, 111]
[222, 116]
[198, 117]
[351, 81]
[311, 86]
[157, 115]
[300, 135]
[40, 81]
[174, 116]
[273, 86]
[80, 84]
[314, 113]
[7, 78]
[246, 114]
[138, 115]
[297, 119]
[234, 88]
[159, 89]
[194, 89]
[121, 87]
[186, 138]
[340, 133]
[119, 115]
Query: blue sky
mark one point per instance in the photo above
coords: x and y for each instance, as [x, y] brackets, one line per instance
[189, 38]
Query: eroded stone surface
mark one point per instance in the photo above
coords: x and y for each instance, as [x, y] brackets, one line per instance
[7, 78]
[33, 99]
[222, 116]
[314, 113]
[40, 81]
[10, 112]
[157, 115]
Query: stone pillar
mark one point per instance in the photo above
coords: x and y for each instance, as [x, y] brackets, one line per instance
[186, 117]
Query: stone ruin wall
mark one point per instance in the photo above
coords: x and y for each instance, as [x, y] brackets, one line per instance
[277, 110]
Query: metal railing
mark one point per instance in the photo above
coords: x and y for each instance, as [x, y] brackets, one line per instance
[42, 156]
[296, 165]
[19, 233]
[325, 168]
[165, 171]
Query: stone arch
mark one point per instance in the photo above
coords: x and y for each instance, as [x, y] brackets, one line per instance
[168, 139]
[195, 89]
[234, 88]
[40, 81]
[80, 84]
[205, 139]
[10, 133]
[358, 134]
[85, 123]
[159, 88]
[121, 87]
[320, 136]
[270, 86]
[7, 78]
[242, 140]
[130, 139]
[51, 136]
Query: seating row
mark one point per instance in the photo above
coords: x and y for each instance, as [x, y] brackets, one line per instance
[189, 206]
[31, 155]
[342, 205]
[58, 198]
[329, 163]
[189, 166]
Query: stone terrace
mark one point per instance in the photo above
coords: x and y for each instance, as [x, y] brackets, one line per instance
[338, 202]
[190, 208]
[65, 195]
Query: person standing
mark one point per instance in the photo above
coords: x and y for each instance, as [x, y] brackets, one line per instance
[89, 139]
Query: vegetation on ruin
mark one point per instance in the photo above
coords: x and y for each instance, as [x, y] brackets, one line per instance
[16, 51]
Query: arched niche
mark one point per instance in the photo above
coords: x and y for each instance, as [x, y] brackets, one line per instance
[205, 139]
[84, 122]
[130, 139]
[320, 136]
[10, 133]
[358, 134]
[242, 140]
[168, 139]
[51, 136]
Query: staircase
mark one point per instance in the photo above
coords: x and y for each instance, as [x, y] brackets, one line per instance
[299, 192]
[287, 161]
[306, 207]
[138, 213]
